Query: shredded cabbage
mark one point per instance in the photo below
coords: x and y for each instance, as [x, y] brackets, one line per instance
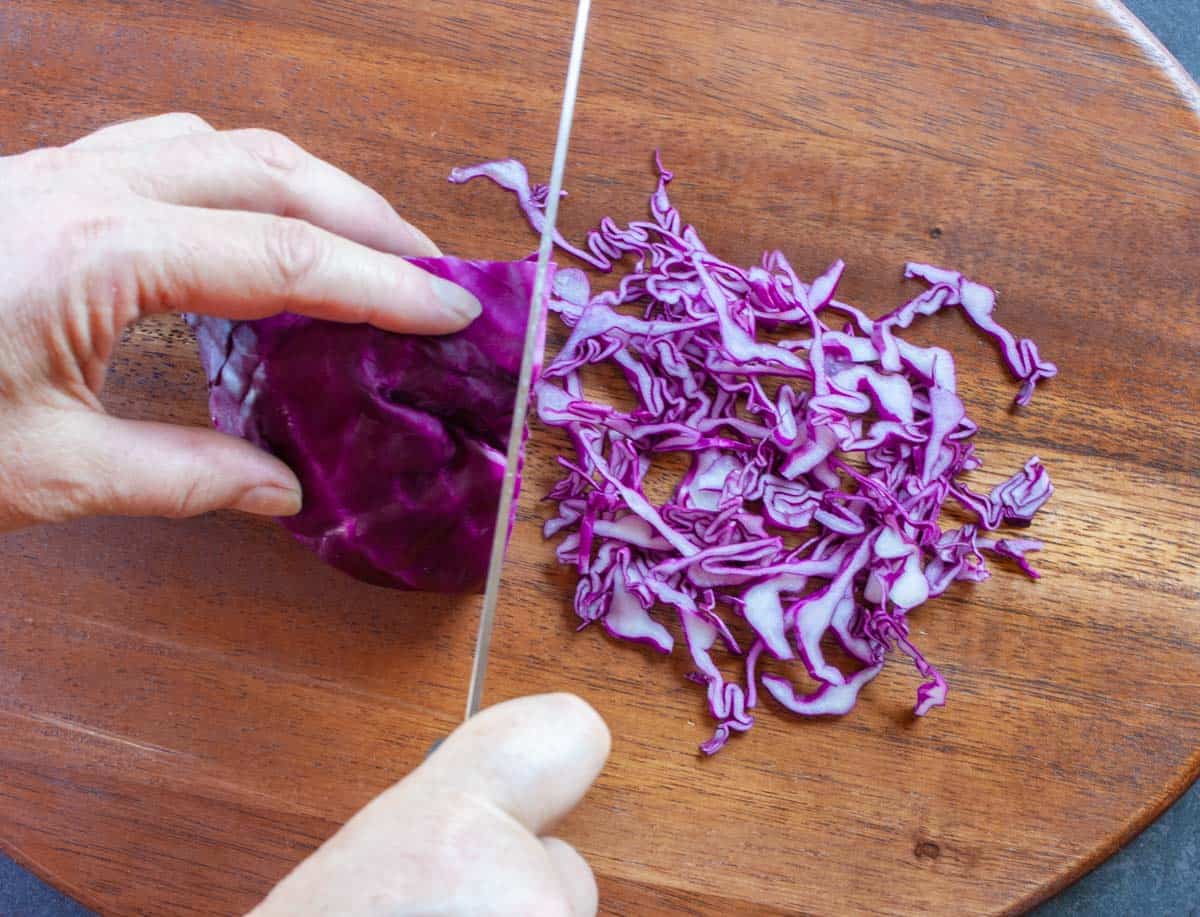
[820, 460]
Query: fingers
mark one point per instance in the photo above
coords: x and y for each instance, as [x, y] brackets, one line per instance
[266, 172]
[533, 757]
[137, 468]
[248, 265]
[575, 876]
[130, 134]
[219, 252]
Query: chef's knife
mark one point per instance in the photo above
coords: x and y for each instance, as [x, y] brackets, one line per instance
[491, 593]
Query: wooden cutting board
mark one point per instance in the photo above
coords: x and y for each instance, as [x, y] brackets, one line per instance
[187, 708]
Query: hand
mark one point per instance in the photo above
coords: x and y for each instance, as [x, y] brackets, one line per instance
[168, 214]
[464, 833]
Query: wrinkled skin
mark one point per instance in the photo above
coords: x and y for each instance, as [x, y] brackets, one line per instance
[167, 214]
[156, 216]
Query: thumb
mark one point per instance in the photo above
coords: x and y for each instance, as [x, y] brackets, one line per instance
[139, 468]
[533, 757]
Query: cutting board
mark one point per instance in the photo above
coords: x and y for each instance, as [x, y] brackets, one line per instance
[187, 708]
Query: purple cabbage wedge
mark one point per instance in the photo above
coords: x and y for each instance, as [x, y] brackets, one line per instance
[819, 462]
[398, 440]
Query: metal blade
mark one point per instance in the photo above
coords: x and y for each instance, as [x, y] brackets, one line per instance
[491, 593]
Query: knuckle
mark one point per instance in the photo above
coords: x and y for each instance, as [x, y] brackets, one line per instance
[462, 823]
[49, 160]
[91, 242]
[187, 502]
[86, 231]
[276, 153]
[104, 276]
[88, 241]
[294, 251]
[463, 818]
[574, 709]
[188, 123]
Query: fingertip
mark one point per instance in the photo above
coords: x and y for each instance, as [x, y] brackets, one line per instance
[422, 246]
[423, 303]
[271, 488]
[534, 757]
[386, 230]
[573, 708]
[269, 500]
[460, 304]
[574, 719]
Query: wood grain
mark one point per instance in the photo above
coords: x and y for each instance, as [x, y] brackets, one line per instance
[187, 708]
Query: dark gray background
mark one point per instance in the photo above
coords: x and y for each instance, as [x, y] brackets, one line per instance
[1157, 875]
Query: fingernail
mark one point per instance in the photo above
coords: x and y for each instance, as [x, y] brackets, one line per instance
[456, 299]
[437, 252]
[269, 500]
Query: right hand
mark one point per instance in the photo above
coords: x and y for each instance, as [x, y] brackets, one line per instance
[464, 835]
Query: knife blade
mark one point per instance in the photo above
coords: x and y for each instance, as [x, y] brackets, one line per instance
[491, 595]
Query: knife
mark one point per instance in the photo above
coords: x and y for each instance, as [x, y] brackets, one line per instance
[491, 594]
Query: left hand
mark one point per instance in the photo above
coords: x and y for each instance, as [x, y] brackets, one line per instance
[168, 214]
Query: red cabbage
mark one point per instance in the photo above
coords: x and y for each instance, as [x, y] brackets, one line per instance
[398, 440]
[820, 460]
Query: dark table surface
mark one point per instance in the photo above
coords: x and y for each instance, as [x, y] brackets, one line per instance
[1157, 874]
